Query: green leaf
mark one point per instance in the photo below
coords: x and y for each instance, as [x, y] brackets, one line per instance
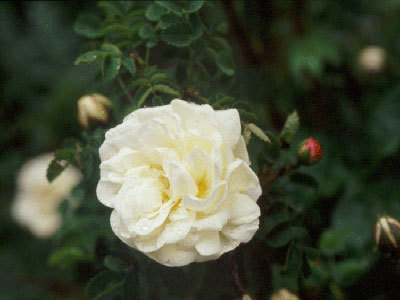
[159, 77]
[225, 62]
[283, 237]
[304, 179]
[273, 220]
[103, 285]
[111, 49]
[349, 271]
[178, 35]
[88, 57]
[154, 11]
[55, 168]
[166, 90]
[146, 31]
[66, 257]
[170, 5]
[193, 6]
[111, 66]
[290, 128]
[197, 26]
[109, 9]
[65, 154]
[113, 263]
[129, 64]
[88, 25]
[333, 242]
[141, 95]
[168, 20]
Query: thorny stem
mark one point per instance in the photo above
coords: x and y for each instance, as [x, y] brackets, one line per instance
[125, 89]
[240, 290]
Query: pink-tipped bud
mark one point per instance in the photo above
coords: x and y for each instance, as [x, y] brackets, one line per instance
[309, 151]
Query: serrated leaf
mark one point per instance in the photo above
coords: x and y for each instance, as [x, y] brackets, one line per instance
[111, 67]
[166, 90]
[178, 35]
[193, 6]
[66, 257]
[258, 132]
[141, 95]
[170, 5]
[120, 28]
[109, 9]
[168, 20]
[290, 128]
[111, 49]
[103, 285]
[225, 63]
[55, 168]
[88, 25]
[146, 31]
[154, 11]
[129, 64]
[159, 77]
[88, 57]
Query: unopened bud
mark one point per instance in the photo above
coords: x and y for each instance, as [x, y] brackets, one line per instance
[309, 151]
[93, 107]
[387, 235]
[246, 297]
[372, 58]
[284, 294]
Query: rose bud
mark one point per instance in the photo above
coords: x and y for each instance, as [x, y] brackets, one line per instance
[309, 151]
[387, 235]
[284, 294]
[92, 107]
[246, 297]
[372, 58]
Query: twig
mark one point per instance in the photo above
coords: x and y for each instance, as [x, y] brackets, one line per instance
[125, 89]
[240, 290]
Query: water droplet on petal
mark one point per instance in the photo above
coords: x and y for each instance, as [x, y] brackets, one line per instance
[145, 228]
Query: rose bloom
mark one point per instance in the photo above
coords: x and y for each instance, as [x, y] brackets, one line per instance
[178, 179]
[37, 200]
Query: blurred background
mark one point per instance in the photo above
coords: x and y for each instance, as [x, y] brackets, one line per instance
[336, 62]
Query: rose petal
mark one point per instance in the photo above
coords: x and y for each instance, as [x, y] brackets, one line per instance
[242, 209]
[213, 222]
[229, 121]
[208, 243]
[173, 256]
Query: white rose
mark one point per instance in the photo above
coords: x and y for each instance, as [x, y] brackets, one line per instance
[37, 200]
[178, 179]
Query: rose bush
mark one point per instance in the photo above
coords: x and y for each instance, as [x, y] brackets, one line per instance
[37, 200]
[178, 179]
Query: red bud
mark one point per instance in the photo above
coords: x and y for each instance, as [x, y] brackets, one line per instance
[310, 151]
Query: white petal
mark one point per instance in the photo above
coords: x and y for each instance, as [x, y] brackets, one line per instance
[173, 256]
[177, 230]
[201, 117]
[229, 121]
[213, 222]
[241, 177]
[200, 204]
[242, 233]
[240, 151]
[242, 209]
[107, 191]
[208, 243]
[181, 182]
